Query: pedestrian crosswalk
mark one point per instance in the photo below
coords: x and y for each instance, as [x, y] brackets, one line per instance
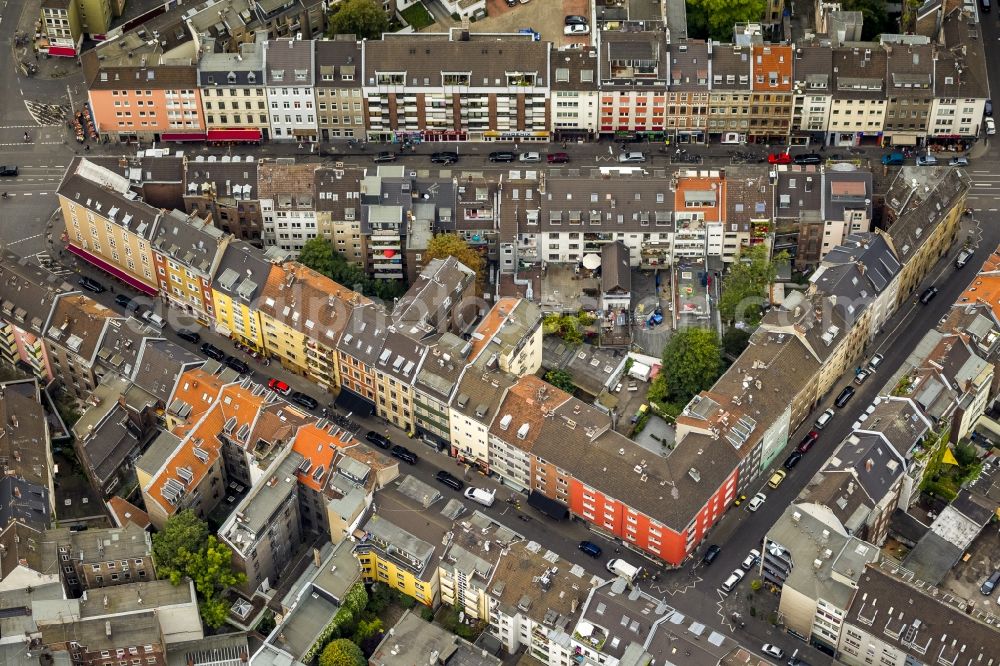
[48, 263]
[985, 192]
[46, 114]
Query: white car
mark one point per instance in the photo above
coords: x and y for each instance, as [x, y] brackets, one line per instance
[484, 497]
[631, 157]
[576, 29]
[529, 157]
[773, 651]
[756, 502]
[991, 126]
[752, 558]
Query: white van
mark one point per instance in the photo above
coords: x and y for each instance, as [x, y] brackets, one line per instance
[484, 497]
[623, 569]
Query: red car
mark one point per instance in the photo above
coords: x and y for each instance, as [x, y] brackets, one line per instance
[558, 158]
[808, 441]
[779, 158]
[279, 386]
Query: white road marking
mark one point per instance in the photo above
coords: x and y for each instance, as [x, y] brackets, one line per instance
[21, 240]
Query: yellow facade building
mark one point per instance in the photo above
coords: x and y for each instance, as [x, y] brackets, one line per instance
[393, 556]
[239, 281]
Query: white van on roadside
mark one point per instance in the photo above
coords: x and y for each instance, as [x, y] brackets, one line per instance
[484, 497]
[623, 569]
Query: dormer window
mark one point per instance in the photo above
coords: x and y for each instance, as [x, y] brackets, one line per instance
[231, 77]
[251, 77]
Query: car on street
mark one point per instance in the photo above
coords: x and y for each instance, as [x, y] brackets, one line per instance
[779, 158]
[963, 257]
[808, 158]
[893, 159]
[557, 158]
[631, 157]
[191, 336]
[574, 19]
[860, 377]
[153, 319]
[502, 156]
[777, 478]
[988, 109]
[710, 554]
[928, 295]
[874, 362]
[823, 419]
[385, 156]
[752, 558]
[576, 29]
[773, 651]
[511, 3]
[797, 661]
[756, 502]
[844, 397]
[404, 454]
[990, 584]
[590, 548]
[378, 440]
[211, 351]
[444, 158]
[91, 284]
[991, 126]
[449, 480]
[959, 162]
[237, 365]
[126, 302]
[926, 160]
[279, 386]
[304, 400]
[733, 580]
[8, 171]
[529, 157]
[807, 441]
[792, 460]
[481, 495]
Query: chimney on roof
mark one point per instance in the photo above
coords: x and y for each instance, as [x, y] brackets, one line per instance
[316, 559]
[869, 464]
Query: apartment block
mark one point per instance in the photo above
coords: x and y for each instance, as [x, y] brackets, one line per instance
[290, 75]
[340, 105]
[103, 557]
[62, 26]
[73, 331]
[858, 111]
[27, 493]
[633, 71]
[28, 298]
[396, 557]
[233, 98]
[501, 92]
[575, 97]
[469, 567]
[287, 203]
[187, 251]
[226, 192]
[240, 279]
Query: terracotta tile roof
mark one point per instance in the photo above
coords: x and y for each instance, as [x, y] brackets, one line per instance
[691, 188]
[985, 288]
[527, 402]
[199, 389]
[490, 324]
[77, 323]
[772, 61]
[124, 511]
[319, 446]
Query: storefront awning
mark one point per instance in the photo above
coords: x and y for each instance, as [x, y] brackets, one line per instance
[234, 135]
[113, 270]
[182, 136]
[62, 51]
[549, 507]
[904, 140]
[354, 403]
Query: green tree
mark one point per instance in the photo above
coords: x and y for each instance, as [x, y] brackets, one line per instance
[875, 15]
[561, 379]
[443, 246]
[965, 454]
[214, 613]
[691, 362]
[735, 340]
[744, 289]
[184, 535]
[715, 18]
[319, 255]
[379, 598]
[342, 652]
[363, 18]
[367, 629]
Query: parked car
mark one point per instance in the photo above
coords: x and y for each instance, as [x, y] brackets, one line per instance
[779, 158]
[796, 661]
[449, 480]
[576, 29]
[807, 442]
[502, 156]
[808, 158]
[378, 440]
[988, 109]
[444, 158]
[237, 365]
[153, 319]
[8, 171]
[385, 156]
[710, 554]
[874, 362]
[126, 302]
[631, 157]
[823, 419]
[860, 377]
[792, 460]
[529, 157]
[959, 161]
[733, 580]
[777, 478]
[928, 295]
[991, 126]
[304, 400]
[511, 3]
[756, 502]
[574, 19]
[557, 158]
[279, 386]
[590, 548]
[191, 336]
[893, 159]
[991, 583]
[404, 454]
[844, 397]
[926, 160]
[773, 651]
[752, 558]
[481, 495]
[963, 257]
[211, 351]
[91, 284]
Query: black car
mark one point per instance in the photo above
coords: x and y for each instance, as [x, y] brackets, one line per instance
[91, 285]
[190, 336]
[126, 302]
[385, 156]
[792, 460]
[404, 454]
[238, 365]
[304, 400]
[928, 295]
[378, 440]
[449, 480]
[844, 397]
[573, 19]
[590, 548]
[444, 158]
[808, 158]
[502, 156]
[212, 351]
[8, 171]
[710, 554]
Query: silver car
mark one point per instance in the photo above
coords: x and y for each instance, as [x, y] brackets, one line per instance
[631, 157]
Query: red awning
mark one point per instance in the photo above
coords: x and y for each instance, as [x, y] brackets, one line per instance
[113, 270]
[234, 135]
[182, 136]
[62, 51]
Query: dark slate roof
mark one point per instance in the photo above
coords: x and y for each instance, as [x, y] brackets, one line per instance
[24, 502]
[616, 276]
[285, 57]
[932, 558]
[871, 460]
